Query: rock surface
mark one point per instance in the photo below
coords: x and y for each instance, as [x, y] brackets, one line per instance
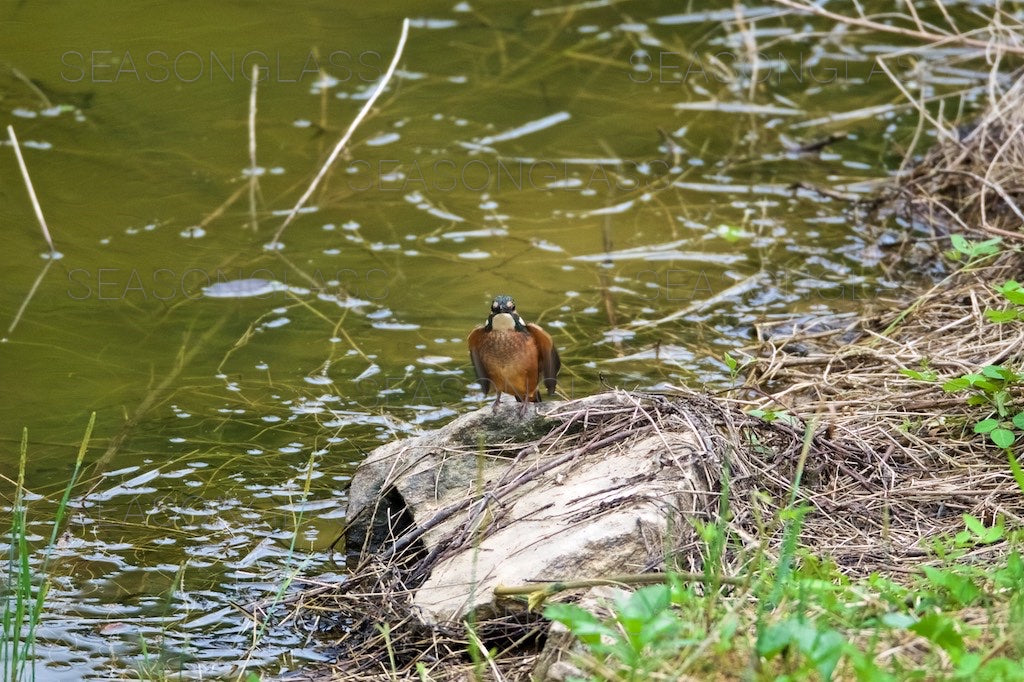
[506, 502]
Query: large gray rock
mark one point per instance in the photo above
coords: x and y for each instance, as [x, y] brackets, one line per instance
[504, 508]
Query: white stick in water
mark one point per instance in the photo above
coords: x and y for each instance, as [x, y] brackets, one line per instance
[253, 179]
[31, 190]
[348, 133]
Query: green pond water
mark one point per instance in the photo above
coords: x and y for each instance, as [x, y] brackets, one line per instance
[606, 164]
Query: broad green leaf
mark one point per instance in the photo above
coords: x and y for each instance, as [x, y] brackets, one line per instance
[643, 605]
[774, 639]
[1012, 291]
[960, 587]
[1000, 399]
[1002, 437]
[986, 425]
[827, 651]
[958, 384]
[898, 620]
[974, 525]
[730, 362]
[1001, 316]
[996, 372]
[940, 630]
[583, 624]
[960, 244]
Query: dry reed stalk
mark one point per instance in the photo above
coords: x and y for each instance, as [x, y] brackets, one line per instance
[31, 190]
[254, 182]
[333, 156]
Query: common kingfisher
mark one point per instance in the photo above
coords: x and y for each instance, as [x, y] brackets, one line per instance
[512, 355]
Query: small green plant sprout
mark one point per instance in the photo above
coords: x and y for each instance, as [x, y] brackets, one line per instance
[1014, 294]
[773, 415]
[972, 251]
[977, 533]
[923, 374]
[820, 647]
[643, 628]
[734, 365]
[990, 386]
[1001, 432]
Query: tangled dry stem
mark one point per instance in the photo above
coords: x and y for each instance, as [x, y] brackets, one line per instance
[373, 627]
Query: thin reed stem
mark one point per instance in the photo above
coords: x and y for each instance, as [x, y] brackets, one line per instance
[31, 190]
[345, 138]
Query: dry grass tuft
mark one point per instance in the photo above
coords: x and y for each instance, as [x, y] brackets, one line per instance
[972, 181]
[924, 465]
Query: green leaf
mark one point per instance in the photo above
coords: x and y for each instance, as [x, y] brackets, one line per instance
[1001, 316]
[774, 638]
[1012, 292]
[958, 384]
[975, 249]
[584, 625]
[1000, 399]
[827, 650]
[1018, 420]
[986, 425]
[974, 525]
[983, 383]
[940, 630]
[926, 375]
[960, 587]
[996, 372]
[1015, 469]
[642, 606]
[659, 632]
[983, 534]
[731, 362]
[1002, 437]
[898, 620]
[968, 665]
[989, 246]
[960, 244]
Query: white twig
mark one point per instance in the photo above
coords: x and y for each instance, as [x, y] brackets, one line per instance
[744, 285]
[348, 134]
[31, 190]
[928, 36]
[253, 180]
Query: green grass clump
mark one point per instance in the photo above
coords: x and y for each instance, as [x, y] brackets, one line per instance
[798, 617]
[24, 591]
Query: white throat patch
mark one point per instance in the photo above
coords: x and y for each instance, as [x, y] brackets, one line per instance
[503, 322]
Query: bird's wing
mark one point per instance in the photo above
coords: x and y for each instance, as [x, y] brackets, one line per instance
[476, 337]
[550, 363]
